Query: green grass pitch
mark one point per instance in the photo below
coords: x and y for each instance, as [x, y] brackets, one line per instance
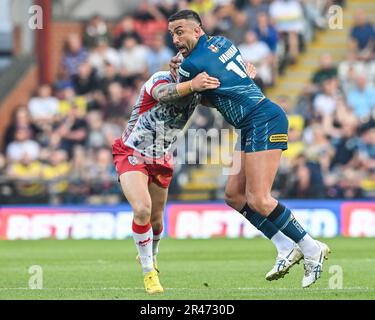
[190, 269]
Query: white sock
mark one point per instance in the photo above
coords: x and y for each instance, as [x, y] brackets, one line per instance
[309, 246]
[143, 241]
[283, 243]
[155, 244]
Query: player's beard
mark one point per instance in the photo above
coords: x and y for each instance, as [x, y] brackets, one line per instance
[187, 48]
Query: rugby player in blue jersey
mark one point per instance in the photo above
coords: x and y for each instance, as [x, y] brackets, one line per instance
[143, 157]
[264, 135]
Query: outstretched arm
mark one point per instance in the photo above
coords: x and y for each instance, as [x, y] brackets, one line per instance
[169, 92]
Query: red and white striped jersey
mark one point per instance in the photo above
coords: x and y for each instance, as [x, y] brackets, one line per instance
[155, 126]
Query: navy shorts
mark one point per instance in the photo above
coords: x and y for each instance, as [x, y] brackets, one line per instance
[266, 128]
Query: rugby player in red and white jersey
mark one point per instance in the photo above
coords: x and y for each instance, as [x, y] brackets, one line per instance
[143, 157]
[144, 162]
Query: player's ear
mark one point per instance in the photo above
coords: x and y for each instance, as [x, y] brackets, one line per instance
[197, 31]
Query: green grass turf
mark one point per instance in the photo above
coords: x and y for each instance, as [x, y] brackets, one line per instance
[190, 269]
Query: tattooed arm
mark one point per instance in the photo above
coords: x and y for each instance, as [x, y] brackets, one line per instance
[169, 92]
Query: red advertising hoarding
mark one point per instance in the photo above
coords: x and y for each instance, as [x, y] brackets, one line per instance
[358, 219]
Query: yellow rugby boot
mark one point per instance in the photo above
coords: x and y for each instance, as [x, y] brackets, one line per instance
[152, 283]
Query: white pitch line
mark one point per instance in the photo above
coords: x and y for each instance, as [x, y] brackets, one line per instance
[197, 289]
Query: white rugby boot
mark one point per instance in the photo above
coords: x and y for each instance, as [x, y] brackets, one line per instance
[284, 263]
[314, 265]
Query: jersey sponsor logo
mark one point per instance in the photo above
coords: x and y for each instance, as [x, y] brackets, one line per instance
[184, 73]
[279, 138]
[213, 48]
[133, 160]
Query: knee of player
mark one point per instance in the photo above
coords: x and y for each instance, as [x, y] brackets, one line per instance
[142, 211]
[232, 199]
[157, 226]
[258, 202]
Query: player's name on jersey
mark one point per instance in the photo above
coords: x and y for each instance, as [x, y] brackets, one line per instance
[229, 54]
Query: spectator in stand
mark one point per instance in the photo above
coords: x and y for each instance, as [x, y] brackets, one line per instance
[224, 8]
[6, 191]
[102, 178]
[366, 147]
[101, 54]
[333, 123]
[78, 189]
[318, 146]
[315, 13]
[22, 145]
[26, 173]
[133, 59]
[130, 93]
[147, 11]
[96, 31]
[68, 99]
[259, 54]
[43, 107]
[149, 21]
[125, 28]
[167, 7]
[116, 105]
[211, 25]
[2, 165]
[325, 102]
[349, 69]
[266, 32]
[70, 133]
[85, 81]
[201, 6]
[56, 173]
[109, 75]
[362, 36]
[296, 145]
[309, 181]
[96, 137]
[366, 158]
[74, 54]
[288, 17]
[113, 128]
[346, 146]
[158, 55]
[252, 9]
[238, 28]
[326, 70]
[20, 120]
[362, 98]
[348, 184]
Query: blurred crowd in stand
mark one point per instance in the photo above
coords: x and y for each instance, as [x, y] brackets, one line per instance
[57, 148]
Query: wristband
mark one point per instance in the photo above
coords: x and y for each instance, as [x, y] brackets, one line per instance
[191, 85]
